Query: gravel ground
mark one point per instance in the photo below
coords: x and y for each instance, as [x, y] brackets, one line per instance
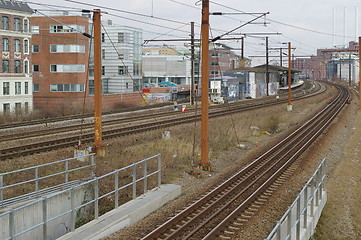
[340, 145]
[333, 145]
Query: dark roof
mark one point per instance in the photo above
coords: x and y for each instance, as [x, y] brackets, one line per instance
[15, 5]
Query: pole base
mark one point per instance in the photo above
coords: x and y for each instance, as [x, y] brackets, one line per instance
[205, 167]
[289, 108]
[99, 151]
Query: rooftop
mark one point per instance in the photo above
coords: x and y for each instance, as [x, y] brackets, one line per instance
[15, 5]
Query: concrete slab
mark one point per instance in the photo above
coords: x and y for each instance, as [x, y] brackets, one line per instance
[126, 215]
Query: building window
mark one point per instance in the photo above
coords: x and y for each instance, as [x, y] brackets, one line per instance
[17, 66]
[5, 45]
[36, 48]
[17, 45]
[69, 48]
[103, 53]
[26, 25]
[36, 68]
[126, 85]
[36, 87]
[17, 108]
[35, 29]
[121, 37]
[6, 88]
[26, 90]
[103, 70]
[67, 68]
[67, 87]
[122, 70]
[5, 23]
[5, 65]
[6, 108]
[17, 88]
[214, 63]
[26, 106]
[214, 72]
[66, 28]
[17, 24]
[103, 37]
[26, 46]
[26, 66]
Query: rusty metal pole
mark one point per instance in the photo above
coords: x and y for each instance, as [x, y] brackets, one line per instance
[204, 112]
[267, 65]
[98, 149]
[289, 105]
[192, 97]
[359, 68]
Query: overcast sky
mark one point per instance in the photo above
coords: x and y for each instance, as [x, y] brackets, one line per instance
[307, 24]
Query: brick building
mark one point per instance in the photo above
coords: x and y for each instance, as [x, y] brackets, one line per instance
[15, 80]
[60, 63]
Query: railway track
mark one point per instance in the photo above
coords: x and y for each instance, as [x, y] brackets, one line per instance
[221, 212]
[162, 120]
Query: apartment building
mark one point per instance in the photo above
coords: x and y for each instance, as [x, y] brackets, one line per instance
[59, 63]
[15, 78]
[121, 59]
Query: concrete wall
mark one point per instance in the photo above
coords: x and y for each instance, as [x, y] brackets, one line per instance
[31, 213]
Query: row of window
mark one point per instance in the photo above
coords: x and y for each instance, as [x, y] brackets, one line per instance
[6, 107]
[17, 91]
[66, 68]
[17, 66]
[5, 24]
[60, 29]
[67, 48]
[63, 87]
[17, 45]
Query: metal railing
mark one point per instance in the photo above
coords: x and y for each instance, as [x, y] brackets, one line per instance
[140, 172]
[41, 174]
[295, 223]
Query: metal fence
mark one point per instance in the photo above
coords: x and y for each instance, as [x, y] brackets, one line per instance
[302, 216]
[140, 173]
[38, 178]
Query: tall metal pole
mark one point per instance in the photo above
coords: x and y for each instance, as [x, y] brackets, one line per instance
[281, 57]
[204, 119]
[267, 73]
[97, 85]
[289, 106]
[349, 70]
[242, 47]
[192, 64]
[359, 68]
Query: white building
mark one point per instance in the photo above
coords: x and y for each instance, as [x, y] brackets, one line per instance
[160, 65]
[15, 79]
[121, 58]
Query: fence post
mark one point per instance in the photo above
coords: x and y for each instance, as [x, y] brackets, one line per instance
[289, 223]
[306, 207]
[298, 233]
[45, 219]
[1, 189]
[159, 171]
[145, 177]
[72, 205]
[116, 188]
[321, 179]
[93, 166]
[37, 181]
[11, 224]
[317, 180]
[134, 181]
[312, 196]
[96, 202]
[279, 231]
[66, 171]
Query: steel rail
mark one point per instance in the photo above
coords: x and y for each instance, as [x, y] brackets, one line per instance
[301, 132]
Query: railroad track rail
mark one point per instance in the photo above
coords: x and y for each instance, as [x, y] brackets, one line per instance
[170, 120]
[221, 212]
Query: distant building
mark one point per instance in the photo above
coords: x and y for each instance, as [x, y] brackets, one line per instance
[59, 63]
[15, 75]
[121, 59]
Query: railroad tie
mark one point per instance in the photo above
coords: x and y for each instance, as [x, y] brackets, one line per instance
[224, 237]
[234, 228]
[228, 232]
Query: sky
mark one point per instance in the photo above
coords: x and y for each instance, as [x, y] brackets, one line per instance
[307, 24]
